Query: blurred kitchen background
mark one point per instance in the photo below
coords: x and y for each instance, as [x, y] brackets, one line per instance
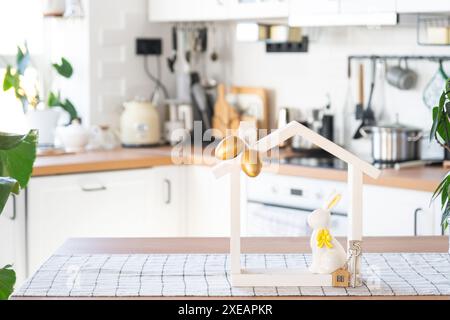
[144, 70]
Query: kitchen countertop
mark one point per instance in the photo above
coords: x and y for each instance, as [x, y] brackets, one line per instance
[249, 245]
[419, 178]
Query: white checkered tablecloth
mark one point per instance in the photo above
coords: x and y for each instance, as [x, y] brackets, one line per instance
[108, 275]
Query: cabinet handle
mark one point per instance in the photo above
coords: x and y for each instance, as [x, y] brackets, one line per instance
[169, 191]
[14, 213]
[416, 213]
[92, 189]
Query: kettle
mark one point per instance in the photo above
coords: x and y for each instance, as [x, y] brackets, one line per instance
[139, 124]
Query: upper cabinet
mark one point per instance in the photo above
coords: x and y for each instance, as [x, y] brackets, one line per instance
[419, 6]
[342, 12]
[174, 10]
[298, 12]
[258, 9]
[366, 6]
[216, 10]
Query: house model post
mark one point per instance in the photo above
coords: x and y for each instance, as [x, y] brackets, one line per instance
[293, 277]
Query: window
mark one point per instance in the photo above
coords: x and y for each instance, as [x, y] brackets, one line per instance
[20, 21]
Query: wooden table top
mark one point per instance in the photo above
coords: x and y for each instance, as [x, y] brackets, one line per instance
[249, 245]
[419, 178]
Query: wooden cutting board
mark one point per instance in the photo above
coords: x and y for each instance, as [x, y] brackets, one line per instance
[225, 116]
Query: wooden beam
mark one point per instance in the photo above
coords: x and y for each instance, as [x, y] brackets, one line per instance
[280, 278]
[355, 224]
[235, 220]
[355, 186]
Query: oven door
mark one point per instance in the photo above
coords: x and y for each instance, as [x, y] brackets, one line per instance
[275, 220]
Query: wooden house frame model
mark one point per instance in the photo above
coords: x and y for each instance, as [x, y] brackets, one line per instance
[292, 277]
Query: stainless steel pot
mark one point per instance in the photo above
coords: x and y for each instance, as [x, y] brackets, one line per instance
[394, 143]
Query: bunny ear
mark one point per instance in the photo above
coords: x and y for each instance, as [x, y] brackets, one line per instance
[334, 201]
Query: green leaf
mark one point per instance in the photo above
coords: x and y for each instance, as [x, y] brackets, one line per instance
[23, 59]
[441, 124]
[447, 89]
[64, 68]
[7, 185]
[10, 140]
[11, 80]
[70, 108]
[445, 216]
[54, 100]
[438, 190]
[7, 281]
[17, 162]
[444, 192]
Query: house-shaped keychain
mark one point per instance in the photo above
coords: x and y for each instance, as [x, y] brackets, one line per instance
[229, 151]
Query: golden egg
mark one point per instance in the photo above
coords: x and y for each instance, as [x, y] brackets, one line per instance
[229, 148]
[251, 163]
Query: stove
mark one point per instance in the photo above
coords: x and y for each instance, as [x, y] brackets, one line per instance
[317, 162]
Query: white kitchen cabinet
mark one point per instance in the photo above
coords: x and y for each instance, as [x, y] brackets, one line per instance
[131, 203]
[7, 234]
[258, 9]
[216, 10]
[307, 7]
[207, 203]
[422, 6]
[386, 211]
[169, 201]
[367, 6]
[175, 10]
[306, 13]
[398, 212]
[12, 236]
[192, 10]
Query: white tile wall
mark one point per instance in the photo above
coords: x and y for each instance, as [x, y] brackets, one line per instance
[298, 80]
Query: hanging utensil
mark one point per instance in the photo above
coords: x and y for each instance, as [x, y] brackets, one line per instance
[360, 105]
[214, 55]
[201, 101]
[173, 56]
[433, 89]
[368, 118]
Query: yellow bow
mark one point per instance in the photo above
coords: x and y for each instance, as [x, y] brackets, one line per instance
[324, 238]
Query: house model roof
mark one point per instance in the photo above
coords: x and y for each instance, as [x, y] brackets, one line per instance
[294, 128]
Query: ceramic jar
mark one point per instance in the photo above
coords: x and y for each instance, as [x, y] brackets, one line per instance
[74, 137]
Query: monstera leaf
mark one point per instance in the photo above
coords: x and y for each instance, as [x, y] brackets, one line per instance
[7, 281]
[17, 155]
[7, 186]
[17, 161]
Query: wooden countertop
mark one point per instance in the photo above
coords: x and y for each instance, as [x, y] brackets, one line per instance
[249, 245]
[420, 178]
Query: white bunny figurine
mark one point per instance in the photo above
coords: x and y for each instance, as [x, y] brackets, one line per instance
[328, 255]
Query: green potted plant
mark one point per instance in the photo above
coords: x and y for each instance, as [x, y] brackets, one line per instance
[17, 155]
[440, 131]
[40, 115]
